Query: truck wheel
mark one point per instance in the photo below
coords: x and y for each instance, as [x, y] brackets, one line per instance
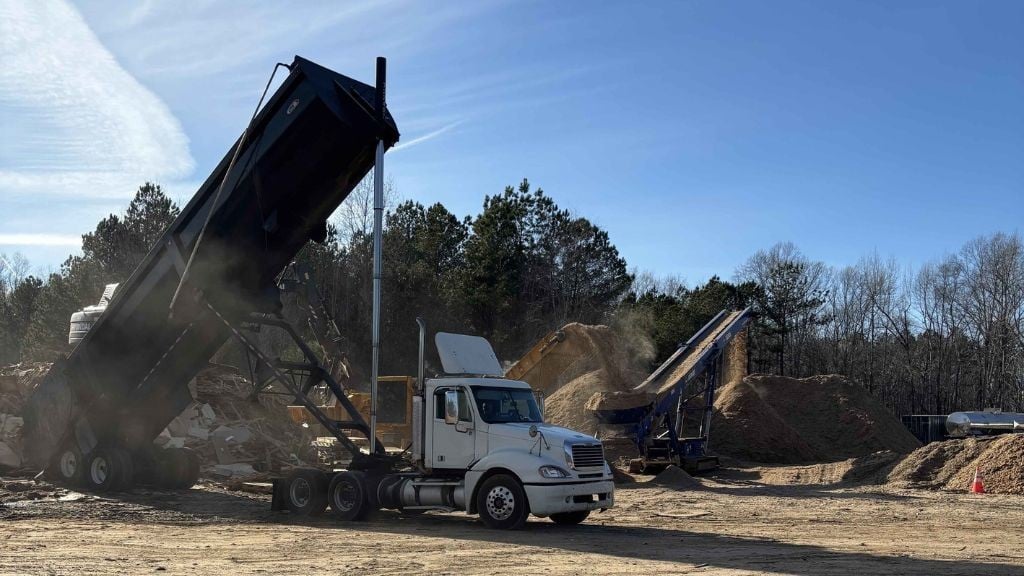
[502, 503]
[176, 468]
[103, 470]
[68, 466]
[569, 518]
[125, 469]
[306, 492]
[347, 496]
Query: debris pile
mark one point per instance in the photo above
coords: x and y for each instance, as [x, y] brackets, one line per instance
[16, 383]
[950, 465]
[236, 432]
[795, 420]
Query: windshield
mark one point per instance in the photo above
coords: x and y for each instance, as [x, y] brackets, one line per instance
[500, 405]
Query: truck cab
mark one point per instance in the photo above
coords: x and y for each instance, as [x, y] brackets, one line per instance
[490, 432]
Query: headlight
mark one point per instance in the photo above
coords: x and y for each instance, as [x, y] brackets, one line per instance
[552, 472]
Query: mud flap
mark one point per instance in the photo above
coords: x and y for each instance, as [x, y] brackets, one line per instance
[277, 499]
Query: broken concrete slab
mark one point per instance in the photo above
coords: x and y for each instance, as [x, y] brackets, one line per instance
[233, 435]
[230, 470]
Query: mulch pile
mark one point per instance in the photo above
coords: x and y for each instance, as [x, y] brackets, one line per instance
[950, 465]
[828, 418]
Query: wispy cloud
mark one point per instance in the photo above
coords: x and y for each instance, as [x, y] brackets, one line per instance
[425, 137]
[75, 122]
[40, 240]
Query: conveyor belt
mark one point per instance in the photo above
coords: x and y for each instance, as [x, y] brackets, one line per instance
[690, 359]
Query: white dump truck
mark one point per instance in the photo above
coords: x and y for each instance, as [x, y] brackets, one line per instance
[480, 445]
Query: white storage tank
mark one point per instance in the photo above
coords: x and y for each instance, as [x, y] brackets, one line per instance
[84, 319]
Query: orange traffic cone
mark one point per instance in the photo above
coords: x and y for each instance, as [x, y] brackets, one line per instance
[977, 487]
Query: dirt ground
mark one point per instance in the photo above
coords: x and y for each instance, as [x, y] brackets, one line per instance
[733, 524]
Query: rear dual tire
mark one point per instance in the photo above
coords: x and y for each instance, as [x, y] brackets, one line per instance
[109, 469]
[348, 496]
[305, 492]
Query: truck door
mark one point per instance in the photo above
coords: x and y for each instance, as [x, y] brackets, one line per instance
[453, 444]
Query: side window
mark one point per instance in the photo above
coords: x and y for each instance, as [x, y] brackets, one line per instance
[439, 404]
[465, 412]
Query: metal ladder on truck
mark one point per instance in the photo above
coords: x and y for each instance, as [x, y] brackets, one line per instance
[674, 428]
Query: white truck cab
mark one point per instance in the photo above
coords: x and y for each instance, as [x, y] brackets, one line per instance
[489, 433]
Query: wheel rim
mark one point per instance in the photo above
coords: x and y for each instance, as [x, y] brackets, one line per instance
[100, 470]
[300, 492]
[500, 503]
[68, 464]
[345, 496]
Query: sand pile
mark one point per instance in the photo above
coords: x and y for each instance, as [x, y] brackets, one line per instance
[569, 353]
[587, 361]
[789, 420]
[566, 407]
[676, 478]
[950, 465]
[870, 469]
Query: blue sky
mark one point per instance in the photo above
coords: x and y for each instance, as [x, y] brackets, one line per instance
[694, 132]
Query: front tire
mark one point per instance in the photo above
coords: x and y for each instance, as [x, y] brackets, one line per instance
[347, 496]
[306, 492]
[570, 518]
[501, 502]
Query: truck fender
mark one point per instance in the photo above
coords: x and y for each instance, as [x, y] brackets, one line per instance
[513, 460]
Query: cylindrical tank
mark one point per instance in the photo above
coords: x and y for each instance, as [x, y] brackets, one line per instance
[966, 423]
[82, 321]
[401, 491]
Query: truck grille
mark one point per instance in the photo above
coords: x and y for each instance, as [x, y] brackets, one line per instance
[587, 455]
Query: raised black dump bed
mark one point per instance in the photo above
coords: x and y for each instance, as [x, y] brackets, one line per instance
[302, 155]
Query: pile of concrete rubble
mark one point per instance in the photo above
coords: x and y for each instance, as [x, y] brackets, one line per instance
[237, 433]
[16, 383]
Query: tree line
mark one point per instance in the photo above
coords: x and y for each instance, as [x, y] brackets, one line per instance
[946, 336]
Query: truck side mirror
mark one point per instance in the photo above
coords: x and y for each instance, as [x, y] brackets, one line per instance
[451, 407]
[540, 402]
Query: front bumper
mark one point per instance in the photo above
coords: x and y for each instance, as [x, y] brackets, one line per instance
[548, 499]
